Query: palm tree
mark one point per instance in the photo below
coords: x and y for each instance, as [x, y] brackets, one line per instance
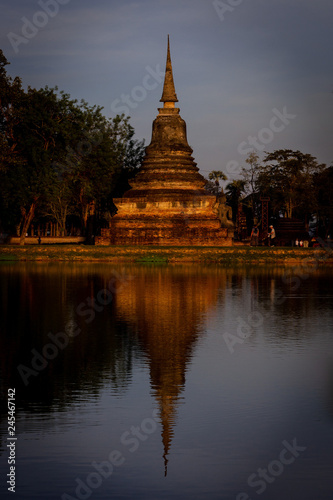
[217, 176]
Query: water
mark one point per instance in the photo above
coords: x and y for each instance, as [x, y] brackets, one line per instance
[182, 382]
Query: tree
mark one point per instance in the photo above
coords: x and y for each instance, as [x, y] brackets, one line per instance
[134, 154]
[250, 176]
[59, 204]
[47, 121]
[287, 178]
[57, 155]
[251, 172]
[216, 176]
[10, 91]
[234, 191]
[323, 182]
[95, 169]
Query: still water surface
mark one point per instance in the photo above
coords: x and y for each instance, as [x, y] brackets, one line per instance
[177, 382]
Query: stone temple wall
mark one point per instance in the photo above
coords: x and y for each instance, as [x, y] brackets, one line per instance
[166, 222]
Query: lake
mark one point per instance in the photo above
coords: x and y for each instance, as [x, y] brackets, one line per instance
[167, 381]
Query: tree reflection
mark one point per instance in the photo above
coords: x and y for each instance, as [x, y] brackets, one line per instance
[39, 299]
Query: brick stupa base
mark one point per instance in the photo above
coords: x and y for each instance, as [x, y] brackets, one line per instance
[166, 222]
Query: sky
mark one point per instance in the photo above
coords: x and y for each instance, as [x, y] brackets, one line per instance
[249, 74]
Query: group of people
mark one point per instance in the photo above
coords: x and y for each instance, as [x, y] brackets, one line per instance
[270, 236]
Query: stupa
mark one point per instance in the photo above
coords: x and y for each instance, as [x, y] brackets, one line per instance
[167, 203]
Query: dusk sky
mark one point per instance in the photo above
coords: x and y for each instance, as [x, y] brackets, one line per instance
[248, 73]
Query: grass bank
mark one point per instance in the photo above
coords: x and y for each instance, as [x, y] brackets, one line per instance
[238, 255]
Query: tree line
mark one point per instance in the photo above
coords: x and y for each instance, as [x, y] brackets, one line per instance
[297, 185]
[60, 160]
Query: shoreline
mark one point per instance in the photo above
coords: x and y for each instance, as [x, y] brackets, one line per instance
[236, 255]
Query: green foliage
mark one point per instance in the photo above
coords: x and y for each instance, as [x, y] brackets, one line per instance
[213, 185]
[217, 176]
[296, 184]
[10, 91]
[288, 179]
[58, 156]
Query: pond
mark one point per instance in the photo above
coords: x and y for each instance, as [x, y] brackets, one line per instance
[166, 381]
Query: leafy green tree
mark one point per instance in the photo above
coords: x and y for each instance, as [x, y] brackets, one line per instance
[47, 122]
[10, 91]
[94, 170]
[287, 177]
[134, 153]
[58, 156]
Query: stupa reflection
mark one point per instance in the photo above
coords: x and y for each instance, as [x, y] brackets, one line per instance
[168, 308]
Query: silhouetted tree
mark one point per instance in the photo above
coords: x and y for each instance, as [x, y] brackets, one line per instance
[323, 182]
[250, 175]
[288, 179]
[216, 176]
[234, 191]
[58, 155]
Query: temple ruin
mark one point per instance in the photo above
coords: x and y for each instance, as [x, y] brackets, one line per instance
[167, 203]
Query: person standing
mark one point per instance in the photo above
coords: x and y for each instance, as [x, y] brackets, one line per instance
[271, 236]
[255, 236]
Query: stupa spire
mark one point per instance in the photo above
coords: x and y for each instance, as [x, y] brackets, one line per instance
[169, 96]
